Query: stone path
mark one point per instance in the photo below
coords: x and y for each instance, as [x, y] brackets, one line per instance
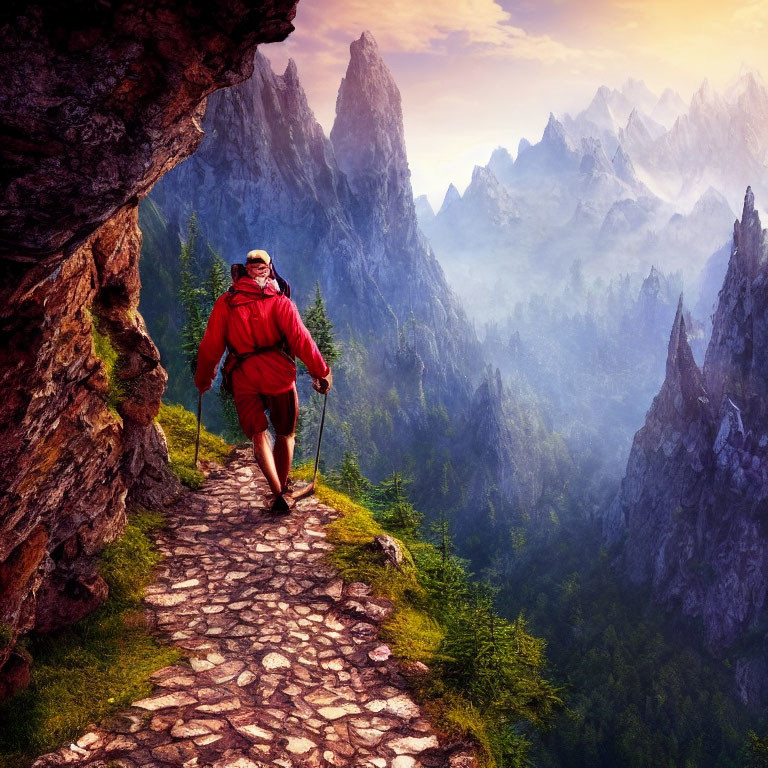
[284, 666]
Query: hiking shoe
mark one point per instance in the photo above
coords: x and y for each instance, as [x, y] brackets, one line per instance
[280, 506]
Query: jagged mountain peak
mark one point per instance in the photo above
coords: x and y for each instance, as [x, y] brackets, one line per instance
[623, 166]
[678, 329]
[482, 174]
[683, 376]
[670, 95]
[606, 113]
[452, 195]
[749, 203]
[641, 126]
[291, 72]
[554, 133]
[238, 117]
[486, 192]
[501, 164]
[734, 362]
[711, 197]
[748, 236]
[705, 97]
[697, 476]
[749, 84]
[599, 109]
[366, 40]
[652, 283]
[367, 82]
[603, 93]
[668, 108]
[368, 78]
[424, 209]
[487, 400]
[638, 93]
[522, 146]
[751, 79]
[500, 154]
[369, 141]
[655, 300]
[593, 159]
[288, 84]
[552, 154]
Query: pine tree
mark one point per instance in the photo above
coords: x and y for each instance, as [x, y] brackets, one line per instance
[319, 325]
[204, 277]
[349, 479]
[192, 294]
[398, 512]
[321, 329]
[496, 662]
[446, 574]
[217, 280]
[756, 751]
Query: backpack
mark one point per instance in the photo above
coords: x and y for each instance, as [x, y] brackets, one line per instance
[233, 360]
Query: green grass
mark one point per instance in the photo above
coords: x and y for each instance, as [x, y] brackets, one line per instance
[180, 428]
[95, 667]
[127, 563]
[412, 631]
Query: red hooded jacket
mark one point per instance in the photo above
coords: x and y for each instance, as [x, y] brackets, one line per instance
[254, 317]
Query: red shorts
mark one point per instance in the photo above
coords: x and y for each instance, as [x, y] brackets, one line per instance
[283, 411]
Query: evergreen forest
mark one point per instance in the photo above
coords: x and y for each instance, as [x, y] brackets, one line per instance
[622, 690]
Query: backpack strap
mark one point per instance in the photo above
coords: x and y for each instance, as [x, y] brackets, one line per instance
[234, 360]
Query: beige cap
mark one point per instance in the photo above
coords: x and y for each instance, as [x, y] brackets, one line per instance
[258, 255]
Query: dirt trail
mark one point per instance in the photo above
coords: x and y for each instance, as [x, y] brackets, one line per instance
[285, 667]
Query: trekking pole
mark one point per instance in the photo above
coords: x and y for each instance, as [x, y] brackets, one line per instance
[320, 437]
[304, 492]
[199, 415]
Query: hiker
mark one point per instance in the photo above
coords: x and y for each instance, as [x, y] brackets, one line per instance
[262, 330]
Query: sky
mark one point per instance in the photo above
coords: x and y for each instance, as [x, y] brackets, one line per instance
[477, 74]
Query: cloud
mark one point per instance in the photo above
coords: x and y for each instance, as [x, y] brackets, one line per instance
[401, 26]
[752, 15]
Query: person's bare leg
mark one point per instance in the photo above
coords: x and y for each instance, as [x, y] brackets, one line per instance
[284, 445]
[262, 451]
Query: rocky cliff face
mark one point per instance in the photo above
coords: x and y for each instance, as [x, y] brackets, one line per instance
[691, 508]
[92, 113]
[369, 143]
[267, 174]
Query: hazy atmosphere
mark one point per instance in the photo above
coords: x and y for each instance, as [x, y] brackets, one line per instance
[476, 74]
[482, 479]
[533, 283]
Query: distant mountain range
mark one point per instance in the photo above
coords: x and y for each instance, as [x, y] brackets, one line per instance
[632, 181]
[679, 150]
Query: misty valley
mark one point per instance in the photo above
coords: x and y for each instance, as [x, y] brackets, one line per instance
[565, 364]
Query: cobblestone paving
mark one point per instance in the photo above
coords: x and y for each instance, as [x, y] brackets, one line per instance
[284, 666]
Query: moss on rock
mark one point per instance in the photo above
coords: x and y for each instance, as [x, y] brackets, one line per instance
[180, 428]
